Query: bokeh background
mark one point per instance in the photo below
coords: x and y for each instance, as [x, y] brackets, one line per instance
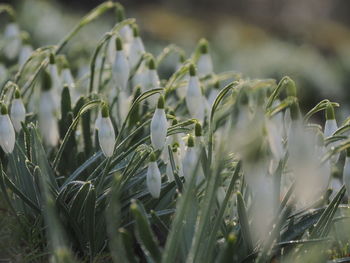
[307, 40]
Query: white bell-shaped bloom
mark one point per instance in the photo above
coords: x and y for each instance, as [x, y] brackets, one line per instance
[194, 97]
[13, 42]
[7, 132]
[17, 112]
[204, 63]
[153, 178]
[152, 81]
[3, 73]
[190, 162]
[159, 126]
[346, 173]
[329, 128]
[121, 69]
[106, 134]
[98, 121]
[274, 135]
[137, 49]
[25, 53]
[178, 165]
[140, 78]
[124, 104]
[47, 113]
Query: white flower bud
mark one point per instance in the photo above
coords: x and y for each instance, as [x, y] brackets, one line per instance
[7, 133]
[153, 179]
[205, 65]
[12, 36]
[18, 113]
[330, 127]
[159, 126]
[106, 135]
[190, 162]
[121, 70]
[194, 98]
[25, 53]
[137, 49]
[346, 174]
[47, 113]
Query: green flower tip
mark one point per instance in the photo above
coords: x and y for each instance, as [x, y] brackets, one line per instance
[152, 157]
[25, 38]
[231, 238]
[290, 86]
[182, 58]
[52, 58]
[47, 83]
[17, 94]
[330, 115]
[217, 85]
[190, 141]
[118, 44]
[348, 152]
[203, 46]
[105, 111]
[3, 109]
[175, 146]
[135, 31]
[120, 13]
[161, 102]
[151, 64]
[198, 129]
[174, 122]
[244, 99]
[294, 111]
[192, 70]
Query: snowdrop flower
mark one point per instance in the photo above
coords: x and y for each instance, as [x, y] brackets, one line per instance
[12, 37]
[153, 179]
[159, 126]
[3, 73]
[47, 113]
[98, 121]
[17, 112]
[106, 135]
[204, 63]
[330, 127]
[140, 77]
[7, 133]
[25, 52]
[190, 162]
[137, 48]
[152, 81]
[125, 33]
[346, 172]
[178, 164]
[120, 70]
[194, 97]
[124, 104]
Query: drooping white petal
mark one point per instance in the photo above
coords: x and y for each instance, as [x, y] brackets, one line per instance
[98, 121]
[47, 118]
[159, 127]
[136, 51]
[152, 83]
[25, 53]
[189, 162]
[330, 127]
[13, 41]
[49, 129]
[120, 71]
[153, 179]
[18, 114]
[274, 135]
[204, 65]
[194, 99]
[346, 175]
[7, 134]
[106, 136]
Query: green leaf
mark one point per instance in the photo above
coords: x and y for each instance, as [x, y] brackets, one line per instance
[144, 232]
[244, 223]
